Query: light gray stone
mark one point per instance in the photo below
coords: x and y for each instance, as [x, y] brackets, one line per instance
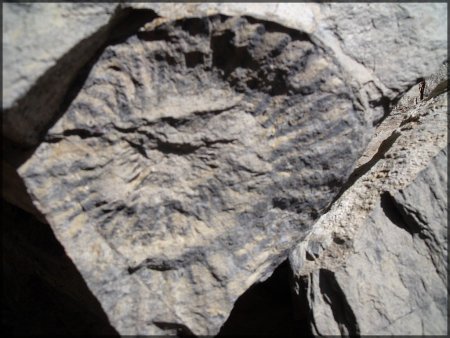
[38, 52]
[437, 83]
[388, 38]
[383, 269]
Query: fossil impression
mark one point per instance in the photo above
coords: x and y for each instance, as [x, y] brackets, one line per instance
[196, 154]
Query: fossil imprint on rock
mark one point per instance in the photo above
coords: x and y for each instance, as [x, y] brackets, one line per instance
[195, 155]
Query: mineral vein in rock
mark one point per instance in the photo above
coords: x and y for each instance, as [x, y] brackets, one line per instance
[193, 158]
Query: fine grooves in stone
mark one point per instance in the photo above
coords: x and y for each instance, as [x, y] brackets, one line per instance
[38, 110]
[207, 148]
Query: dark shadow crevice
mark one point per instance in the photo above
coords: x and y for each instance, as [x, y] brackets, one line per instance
[398, 216]
[342, 311]
[266, 308]
[177, 329]
[42, 290]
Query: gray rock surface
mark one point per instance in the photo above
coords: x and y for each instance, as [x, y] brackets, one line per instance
[437, 83]
[388, 38]
[194, 157]
[385, 48]
[376, 263]
[44, 44]
[198, 150]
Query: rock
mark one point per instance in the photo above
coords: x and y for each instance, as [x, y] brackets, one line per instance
[437, 83]
[385, 48]
[61, 38]
[383, 264]
[41, 43]
[190, 156]
[192, 159]
[42, 291]
[396, 32]
[45, 44]
[36, 55]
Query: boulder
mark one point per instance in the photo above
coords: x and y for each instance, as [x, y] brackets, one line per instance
[193, 158]
[198, 145]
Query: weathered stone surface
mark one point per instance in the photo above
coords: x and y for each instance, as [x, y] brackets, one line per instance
[385, 47]
[376, 263]
[397, 32]
[200, 149]
[45, 44]
[46, 47]
[193, 158]
[435, 84]
[59, 39]
[37, 51]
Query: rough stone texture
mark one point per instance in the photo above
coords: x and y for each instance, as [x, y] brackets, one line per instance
[196, 152]
[376, 263]
[385, 47]
[192, 159]
[66, 36]
[46, 44]
[435, 84]
[47, 50]
[38, 50]
[397, 31]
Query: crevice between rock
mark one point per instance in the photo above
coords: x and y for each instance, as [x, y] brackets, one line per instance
[268, 308]
[364, 168]
[43, 292]
[396, 216]
[342, 311]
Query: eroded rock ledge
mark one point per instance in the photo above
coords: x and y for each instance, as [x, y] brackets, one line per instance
[376, 262]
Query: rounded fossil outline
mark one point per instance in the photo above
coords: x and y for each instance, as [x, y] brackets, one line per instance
[287, 93]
